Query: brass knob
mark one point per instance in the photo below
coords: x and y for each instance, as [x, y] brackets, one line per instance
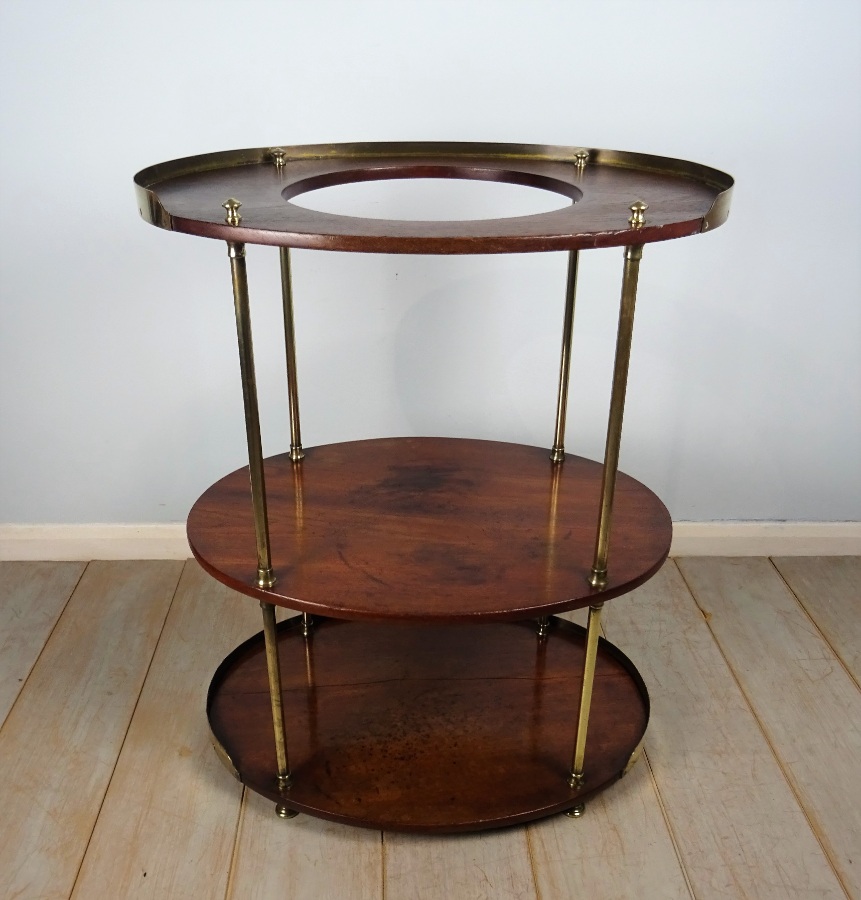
[638, 214]
[279, 157]
[232, 207]
[581, 157]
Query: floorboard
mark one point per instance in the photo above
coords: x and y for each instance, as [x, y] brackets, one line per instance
[624, 850]
[488, 865]
[807, 704]
[620, 848]
[303, 858]
[177, 825]
[32, 596]
[829, 588]
[738, 827]
[60, 742]
[748, 787]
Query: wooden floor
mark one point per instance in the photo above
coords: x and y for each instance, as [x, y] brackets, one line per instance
[750, 785]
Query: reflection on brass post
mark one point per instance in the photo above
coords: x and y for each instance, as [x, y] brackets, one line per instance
[307, 620]
[539, 687]
[311, 699]
[236, 252]
[576, 778]
[633, 255]
[557, 453]
[544, 621]
[296, 451]
[270, 638]
[299, 497]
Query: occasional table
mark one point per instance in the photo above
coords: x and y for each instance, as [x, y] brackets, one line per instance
[426, 682]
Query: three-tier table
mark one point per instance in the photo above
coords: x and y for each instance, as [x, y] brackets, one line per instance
[426, 683]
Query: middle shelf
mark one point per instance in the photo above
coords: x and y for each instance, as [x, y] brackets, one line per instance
[441, 529]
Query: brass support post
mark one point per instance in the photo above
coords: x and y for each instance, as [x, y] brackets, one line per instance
[236, 252]
[576, 778]
[633, 255]
[270, 638]
[296, 451]
[543, 627]
[557, 452]
[576, 812]
[307, 620]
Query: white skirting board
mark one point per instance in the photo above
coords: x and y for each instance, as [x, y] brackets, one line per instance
[168, 541]
[85, 542]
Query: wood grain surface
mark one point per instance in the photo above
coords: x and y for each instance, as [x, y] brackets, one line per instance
[170, 804]
[32, 597]
[829, 589]
[620, 848]
[303, 858]
[430, 728]
[737, 825]
[806, 702]
[491, 865]
[61, 740]
[430, 528]
[739, 830]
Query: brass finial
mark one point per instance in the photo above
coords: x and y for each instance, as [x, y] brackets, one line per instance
[638, 216]
[597, 578]
[581, 157]
[279, 157]
[232, 207]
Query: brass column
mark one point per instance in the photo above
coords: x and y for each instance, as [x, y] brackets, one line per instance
[265, 575]
[594, 627]
[270, 638]
[296, 451]
[543, 622]
[557, 452]
[633, 255]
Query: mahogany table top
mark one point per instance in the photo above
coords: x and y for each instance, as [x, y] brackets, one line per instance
[187, 195]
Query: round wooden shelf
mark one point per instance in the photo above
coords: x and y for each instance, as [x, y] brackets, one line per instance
[683, 198]
[430, 529]
[435, 728]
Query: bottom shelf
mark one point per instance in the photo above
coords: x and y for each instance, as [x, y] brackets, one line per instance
[427, 728]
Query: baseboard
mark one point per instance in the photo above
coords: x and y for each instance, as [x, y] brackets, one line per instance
[766, 539]
[157, 541]
[84, 542]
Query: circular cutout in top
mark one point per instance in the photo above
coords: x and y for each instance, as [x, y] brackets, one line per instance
[432, 199]
[433, 193]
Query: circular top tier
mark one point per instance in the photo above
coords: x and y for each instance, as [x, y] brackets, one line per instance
[191, 195]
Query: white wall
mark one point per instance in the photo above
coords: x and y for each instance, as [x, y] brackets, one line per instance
[120, 393]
